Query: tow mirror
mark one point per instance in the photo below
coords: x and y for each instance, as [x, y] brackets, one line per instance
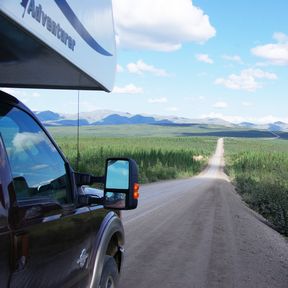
[121, 190]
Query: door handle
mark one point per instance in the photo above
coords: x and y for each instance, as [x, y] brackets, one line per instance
[21, 251]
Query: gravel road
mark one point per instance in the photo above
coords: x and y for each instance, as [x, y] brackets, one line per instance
[198, 233]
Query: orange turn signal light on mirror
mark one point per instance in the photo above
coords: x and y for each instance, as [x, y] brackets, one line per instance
[136, 191]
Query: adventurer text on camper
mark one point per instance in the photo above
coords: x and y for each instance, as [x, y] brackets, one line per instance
[40, 16]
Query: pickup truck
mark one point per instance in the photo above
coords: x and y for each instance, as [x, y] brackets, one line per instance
[55, 229]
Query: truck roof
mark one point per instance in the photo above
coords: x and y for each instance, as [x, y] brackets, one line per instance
[63, 44]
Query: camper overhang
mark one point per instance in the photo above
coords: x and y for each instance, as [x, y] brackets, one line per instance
[57, 44]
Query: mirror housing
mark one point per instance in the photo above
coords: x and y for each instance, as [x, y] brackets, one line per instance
[87, 200]
[121, 188]
[87, 179]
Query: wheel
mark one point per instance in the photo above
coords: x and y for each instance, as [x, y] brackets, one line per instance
[110, 274]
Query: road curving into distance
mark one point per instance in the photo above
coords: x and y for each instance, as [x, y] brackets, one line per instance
[198, 233]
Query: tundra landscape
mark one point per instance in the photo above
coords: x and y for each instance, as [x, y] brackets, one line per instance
[202, 220]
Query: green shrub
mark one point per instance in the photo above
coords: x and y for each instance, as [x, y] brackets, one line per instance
[158, 158]
[260, 173]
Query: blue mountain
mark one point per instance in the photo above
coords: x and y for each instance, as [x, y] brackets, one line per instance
[47, 116]
[116, 119]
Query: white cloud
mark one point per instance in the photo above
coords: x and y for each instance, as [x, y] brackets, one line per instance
[128, 89]
[157, 100]
[276, 53]
[246, 80]
[220, 105]
[160, 25]
[119, 68]
[233, 58]
[262, 64]
[140, 67]
[280, 37]
[204, 58]
[26, 140]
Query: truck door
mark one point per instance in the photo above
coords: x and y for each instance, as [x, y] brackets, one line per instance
[5, 179]
[51, 236]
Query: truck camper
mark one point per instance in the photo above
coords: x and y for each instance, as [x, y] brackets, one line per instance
[57, 44]
[55, 230]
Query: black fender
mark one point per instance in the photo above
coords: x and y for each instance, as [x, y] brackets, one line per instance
[110, 226]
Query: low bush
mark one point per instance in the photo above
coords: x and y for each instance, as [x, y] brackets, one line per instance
[157, 158]
[261, 177]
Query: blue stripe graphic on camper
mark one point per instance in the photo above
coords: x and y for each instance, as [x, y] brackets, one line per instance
[78, 26]
[24, 3]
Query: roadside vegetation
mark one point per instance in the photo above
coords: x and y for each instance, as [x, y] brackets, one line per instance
[158, 158]
[259, 169]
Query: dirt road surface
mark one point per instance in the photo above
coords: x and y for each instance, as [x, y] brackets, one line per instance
[198, 233]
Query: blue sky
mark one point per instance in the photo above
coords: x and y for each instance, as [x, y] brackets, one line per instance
[205, 58]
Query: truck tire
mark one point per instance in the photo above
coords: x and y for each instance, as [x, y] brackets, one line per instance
[110, 274]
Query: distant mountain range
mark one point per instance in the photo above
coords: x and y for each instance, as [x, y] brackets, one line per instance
[108, 117]
[276, 126]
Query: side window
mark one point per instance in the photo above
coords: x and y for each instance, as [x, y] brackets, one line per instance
[37, 168]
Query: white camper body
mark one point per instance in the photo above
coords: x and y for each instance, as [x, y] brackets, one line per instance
[68, 44]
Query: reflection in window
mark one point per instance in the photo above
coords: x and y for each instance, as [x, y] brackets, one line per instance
[117, 174]
[115, 200]
[37, 168]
